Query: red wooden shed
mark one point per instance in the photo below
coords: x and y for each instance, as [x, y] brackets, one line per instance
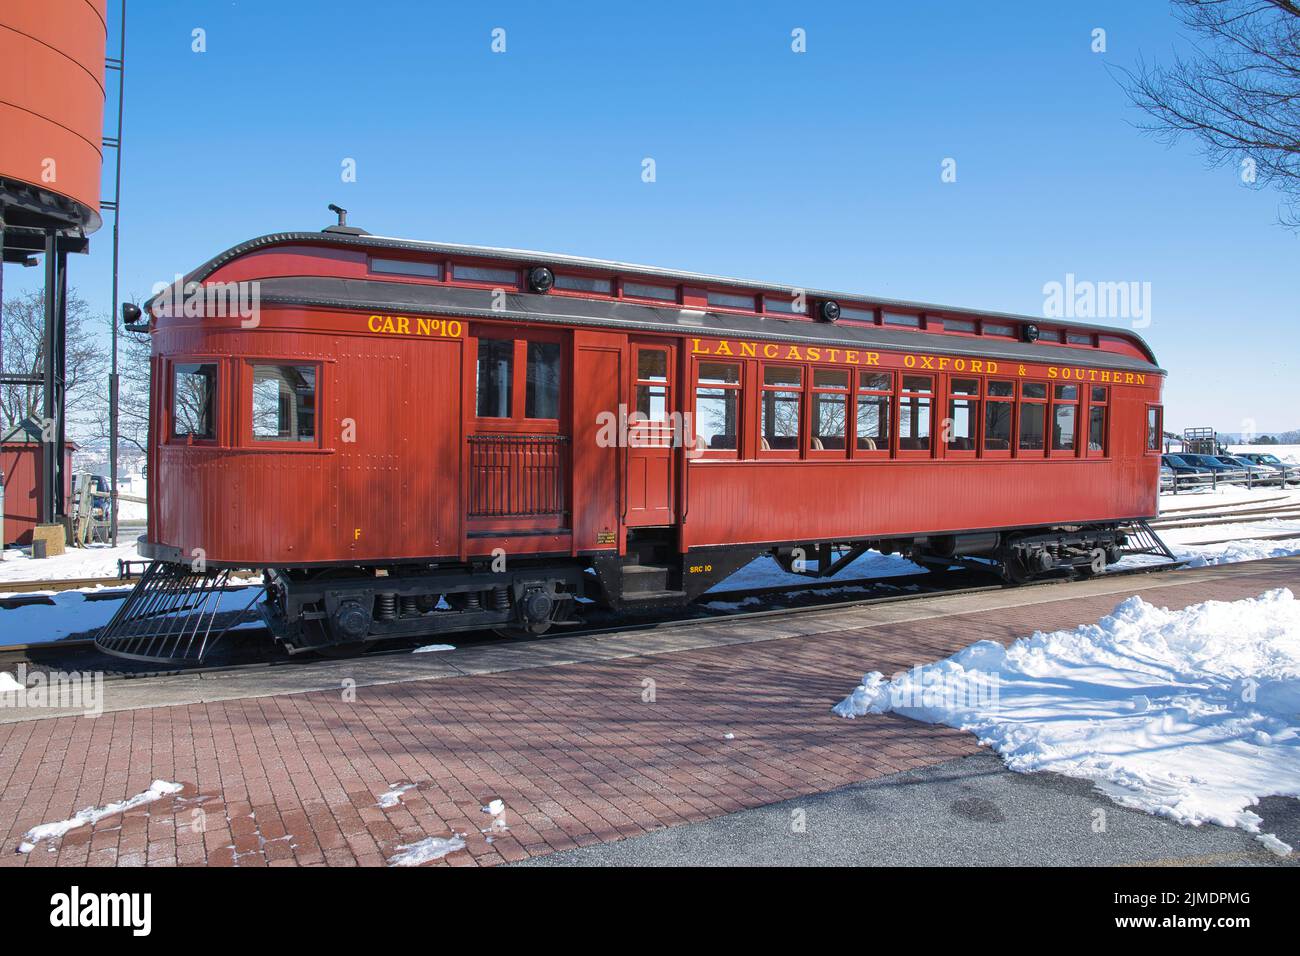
[20, 463]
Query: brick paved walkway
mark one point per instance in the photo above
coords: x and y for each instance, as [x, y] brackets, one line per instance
[574, 751]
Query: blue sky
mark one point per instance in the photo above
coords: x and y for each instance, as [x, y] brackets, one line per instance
[819, 169]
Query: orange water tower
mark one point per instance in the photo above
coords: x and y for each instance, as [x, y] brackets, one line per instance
[51, 155]
[51, 113]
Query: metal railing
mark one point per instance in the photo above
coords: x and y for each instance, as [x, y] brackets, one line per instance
[1212, 478]
[517, 476]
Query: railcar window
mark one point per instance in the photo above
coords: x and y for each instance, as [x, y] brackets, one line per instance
[963, 413]
[731, 300]
[858, 315]
[717, 406]
[652, 383]
[284, 403]
[495, 377]
[899, 318]
[407, 267]
[875, 396]
[1033, 415]
[1079, 338]
[782, 407]
[484, 274]
[1097, 419]
[584, 284]
[830, 405]
[998, 406]
[1065, 417]
[914, 407]
[1153, 427]
[542, 381]
[641, 290]
[958, 325]
[194, 387]
[787, 306]
[996, 328]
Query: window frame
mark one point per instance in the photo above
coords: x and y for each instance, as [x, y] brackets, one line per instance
[890, 395]
[517, 422]
[1092, 403]
[219, 388]
[801, 433]
[1021, 401]
[247, 381]
[998, 454]
[977, 400]
[1077, 403]
[899, 452]
[1159, 409]
[738, 387]
[830, 454]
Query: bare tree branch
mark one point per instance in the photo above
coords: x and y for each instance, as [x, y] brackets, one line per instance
[1239, 95]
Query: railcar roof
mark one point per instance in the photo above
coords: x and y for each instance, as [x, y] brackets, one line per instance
[733, 322]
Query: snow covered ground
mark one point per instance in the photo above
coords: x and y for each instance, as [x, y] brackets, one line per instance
[97, 561]
[1188, 714]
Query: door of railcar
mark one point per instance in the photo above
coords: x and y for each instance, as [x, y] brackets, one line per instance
[518, 454]
[652, 420]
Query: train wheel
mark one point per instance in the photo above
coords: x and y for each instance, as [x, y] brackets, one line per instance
[1015, 572]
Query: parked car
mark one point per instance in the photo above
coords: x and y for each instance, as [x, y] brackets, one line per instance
[1182, 472]
[1167, 477]
[1258, 474]
[1264, 460]
[1213, 463]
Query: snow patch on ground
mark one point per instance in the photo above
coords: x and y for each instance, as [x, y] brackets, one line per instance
[1188, 714]
[53, 831]
[426, 850]
[433, 648]
[393, 795]
[96, 561]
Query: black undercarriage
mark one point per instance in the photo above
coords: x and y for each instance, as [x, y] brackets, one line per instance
[173, 612]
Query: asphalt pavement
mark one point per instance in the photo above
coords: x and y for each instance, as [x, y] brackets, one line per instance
[970, 811]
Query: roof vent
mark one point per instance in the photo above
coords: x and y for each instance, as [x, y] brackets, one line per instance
[342, 225]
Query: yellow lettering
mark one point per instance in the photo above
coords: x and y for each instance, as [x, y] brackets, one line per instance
[814, 355]
[927, 361]
[770, 351]
[834, 352]
[992, 368]
[696, 349]
[976, 365]
[723, 348]
[793, 352]
[370, 324]
[748, 349]
[404, 325]
[1051, 371]
[1141, 379]
[873, 358]
[1128, 378]
[909, 361]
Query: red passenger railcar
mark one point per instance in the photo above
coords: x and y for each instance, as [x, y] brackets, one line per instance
[413, 437]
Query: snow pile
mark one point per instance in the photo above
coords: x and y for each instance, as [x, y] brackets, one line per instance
[426, 850]
[1230, 552]
[1188, 714]
[393, 795]
[53, 831]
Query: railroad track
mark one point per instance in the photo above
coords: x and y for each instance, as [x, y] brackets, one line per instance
[248, 648]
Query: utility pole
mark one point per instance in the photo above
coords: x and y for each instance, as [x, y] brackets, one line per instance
[114, 381]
